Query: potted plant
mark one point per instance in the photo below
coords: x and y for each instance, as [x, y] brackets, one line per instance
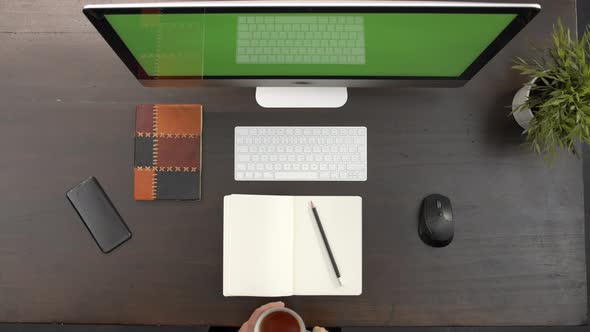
[554, 106]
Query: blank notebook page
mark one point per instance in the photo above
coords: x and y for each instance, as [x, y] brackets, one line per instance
[258, 246]
[342, 221]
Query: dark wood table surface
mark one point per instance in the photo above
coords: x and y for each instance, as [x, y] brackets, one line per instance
[68, 113]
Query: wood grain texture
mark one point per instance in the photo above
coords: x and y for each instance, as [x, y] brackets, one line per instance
[68, 112]
[9, 327]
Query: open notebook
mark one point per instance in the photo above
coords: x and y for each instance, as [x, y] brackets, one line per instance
[273, 247]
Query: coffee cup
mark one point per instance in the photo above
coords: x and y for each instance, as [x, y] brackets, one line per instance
[279, 320]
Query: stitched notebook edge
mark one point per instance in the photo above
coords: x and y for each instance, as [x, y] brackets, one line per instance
[155, 151]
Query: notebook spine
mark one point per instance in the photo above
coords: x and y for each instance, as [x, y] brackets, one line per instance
[155, 151]
[155, 132]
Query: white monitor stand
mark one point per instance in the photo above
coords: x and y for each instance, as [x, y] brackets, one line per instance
[301, 97]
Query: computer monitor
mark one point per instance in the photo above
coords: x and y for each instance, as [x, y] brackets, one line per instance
[305, 54]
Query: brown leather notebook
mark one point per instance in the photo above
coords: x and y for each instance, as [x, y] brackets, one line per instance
[167, 152]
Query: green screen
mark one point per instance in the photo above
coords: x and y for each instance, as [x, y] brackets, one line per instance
[292, 44]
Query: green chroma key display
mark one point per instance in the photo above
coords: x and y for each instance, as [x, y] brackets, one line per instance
[314, 44]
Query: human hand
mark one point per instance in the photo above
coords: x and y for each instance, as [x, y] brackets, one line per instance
[248, 326]
[319, 329]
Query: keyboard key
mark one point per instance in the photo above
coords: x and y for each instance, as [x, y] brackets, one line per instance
[355, 167]
[296, 175]
[241, 131]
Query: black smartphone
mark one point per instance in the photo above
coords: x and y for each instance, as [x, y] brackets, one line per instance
[99, 214]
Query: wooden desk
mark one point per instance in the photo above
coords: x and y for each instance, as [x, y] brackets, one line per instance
[517, 258]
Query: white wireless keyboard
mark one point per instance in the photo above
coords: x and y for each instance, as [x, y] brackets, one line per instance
[300, 154]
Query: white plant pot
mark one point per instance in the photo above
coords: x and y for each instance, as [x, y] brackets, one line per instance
[523, 117]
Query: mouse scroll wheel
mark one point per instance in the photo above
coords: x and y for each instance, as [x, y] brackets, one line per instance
[438, 204]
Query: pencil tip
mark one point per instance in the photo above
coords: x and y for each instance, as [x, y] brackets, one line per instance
[311, 204]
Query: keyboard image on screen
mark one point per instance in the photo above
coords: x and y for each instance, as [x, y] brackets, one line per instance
[284, 39]
[300, 154]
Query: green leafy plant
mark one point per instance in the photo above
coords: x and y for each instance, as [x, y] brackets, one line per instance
[560, 97]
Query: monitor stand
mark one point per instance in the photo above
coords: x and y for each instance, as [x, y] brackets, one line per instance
[301, 97]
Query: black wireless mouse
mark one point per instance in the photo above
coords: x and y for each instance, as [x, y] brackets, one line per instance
[436, 227]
